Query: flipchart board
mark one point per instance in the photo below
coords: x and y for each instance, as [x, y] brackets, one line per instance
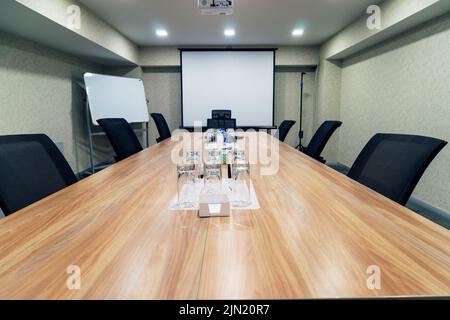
[116, 97]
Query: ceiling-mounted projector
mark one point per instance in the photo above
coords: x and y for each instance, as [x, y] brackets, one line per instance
[216, 7]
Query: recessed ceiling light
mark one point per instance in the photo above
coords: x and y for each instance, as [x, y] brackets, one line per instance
[162, 33]
[298, 32]
[229, 32]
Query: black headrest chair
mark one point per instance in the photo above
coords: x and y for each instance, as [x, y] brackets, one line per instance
[161, 125]
[221, 114]
[283, 129]
[121, 136]
[320, 139]
[221, 124]
[392, 164]
[31, 168]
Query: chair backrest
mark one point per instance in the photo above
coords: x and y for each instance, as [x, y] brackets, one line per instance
[221, 124]
[321, 138]
[161, 125]
[31, 168]
[284, 129]
[121, 136]
[221, 114]
[392, 164]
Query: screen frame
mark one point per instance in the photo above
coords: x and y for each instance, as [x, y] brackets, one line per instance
[273, 50]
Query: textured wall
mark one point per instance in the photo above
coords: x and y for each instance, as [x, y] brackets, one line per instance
[286, 56]
[402, 86]
[163, 89]
[39, 94]
[287, 104]
[328, 102]
[393, 12]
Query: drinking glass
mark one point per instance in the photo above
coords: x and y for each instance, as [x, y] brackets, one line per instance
[186, 190]
[240, 173]
[231, 136]
[213, 178]
[210, 135]
[239, 155]
[214, 156]
[194, 157]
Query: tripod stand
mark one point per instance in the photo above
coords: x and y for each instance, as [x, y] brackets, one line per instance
[300, 133]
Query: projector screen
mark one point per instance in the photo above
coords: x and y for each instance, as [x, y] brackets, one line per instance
[236, 80]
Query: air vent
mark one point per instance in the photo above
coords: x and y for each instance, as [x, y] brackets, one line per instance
[216, 7]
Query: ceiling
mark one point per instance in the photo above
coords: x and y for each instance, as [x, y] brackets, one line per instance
[257, 22]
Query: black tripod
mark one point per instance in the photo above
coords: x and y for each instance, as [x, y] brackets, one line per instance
[300, 133]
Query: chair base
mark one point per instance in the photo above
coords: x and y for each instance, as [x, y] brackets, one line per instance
[304, 150]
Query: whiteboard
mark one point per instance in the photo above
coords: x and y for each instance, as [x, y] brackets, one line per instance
[116, 97]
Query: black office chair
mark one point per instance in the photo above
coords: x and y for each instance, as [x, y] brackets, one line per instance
[121, 136]
[221, 124]
[320, 140]
[221, 114]
[31, 168]
[161, 125]
[392, 164]
[283, 129]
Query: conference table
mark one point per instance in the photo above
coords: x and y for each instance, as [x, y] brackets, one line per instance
[317, 234]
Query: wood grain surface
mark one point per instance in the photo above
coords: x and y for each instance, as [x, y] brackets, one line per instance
[315, 236]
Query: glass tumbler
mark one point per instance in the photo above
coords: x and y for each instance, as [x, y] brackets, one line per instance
[240, 174]
[214, 156]
[213, 178]
[231, 136]
[239, 155]
[186, 190]
[210, 135]
[194, 157]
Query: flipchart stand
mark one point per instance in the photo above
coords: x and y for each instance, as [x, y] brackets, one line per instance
[91, 134]
[112, 97]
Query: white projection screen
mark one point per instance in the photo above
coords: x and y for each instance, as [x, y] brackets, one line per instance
[238, 80]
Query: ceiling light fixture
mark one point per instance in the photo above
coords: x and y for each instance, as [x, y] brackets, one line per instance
[162, 33]
[298, 32]
[230, 32]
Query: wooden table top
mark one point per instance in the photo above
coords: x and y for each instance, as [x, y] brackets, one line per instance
[315, 236]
